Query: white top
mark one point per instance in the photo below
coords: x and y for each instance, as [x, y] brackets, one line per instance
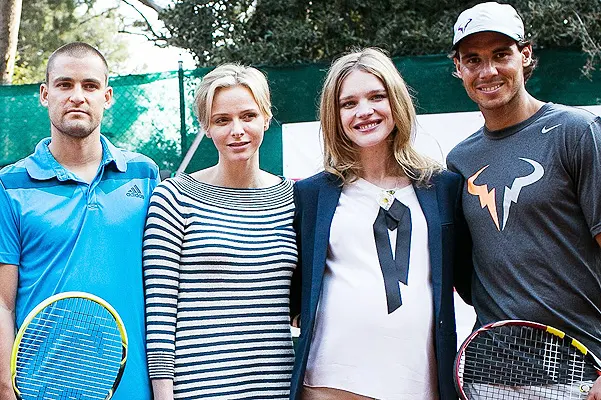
[357, 346]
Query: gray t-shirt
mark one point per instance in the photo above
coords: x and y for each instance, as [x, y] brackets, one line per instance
[531, 199]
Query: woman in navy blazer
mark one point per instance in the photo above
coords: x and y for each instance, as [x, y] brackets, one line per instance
[368, 123]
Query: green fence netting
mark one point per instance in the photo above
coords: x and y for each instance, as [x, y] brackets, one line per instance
[146, 115]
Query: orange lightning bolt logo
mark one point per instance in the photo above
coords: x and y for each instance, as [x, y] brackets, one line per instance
[487, 199]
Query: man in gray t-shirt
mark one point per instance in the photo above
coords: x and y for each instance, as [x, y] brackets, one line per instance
[532, 187]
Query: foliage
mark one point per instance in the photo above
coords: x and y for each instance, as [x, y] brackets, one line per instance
[277, 32]
[164, 150]
[48, 24]
[562, 23]
[298, 31]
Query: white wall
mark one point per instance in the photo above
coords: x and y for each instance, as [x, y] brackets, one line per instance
[437, 134]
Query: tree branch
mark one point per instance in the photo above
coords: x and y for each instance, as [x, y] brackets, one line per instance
[103, 13]
[148, 24]
[152, 4]
[587, 37]
[592, 50]
[159, 41]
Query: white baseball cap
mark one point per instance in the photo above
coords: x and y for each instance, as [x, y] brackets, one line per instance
[489, 17]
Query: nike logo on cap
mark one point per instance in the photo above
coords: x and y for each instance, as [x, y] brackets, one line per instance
[547, 130]
[462, 28]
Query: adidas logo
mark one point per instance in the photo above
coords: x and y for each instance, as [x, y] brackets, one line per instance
[135, 192]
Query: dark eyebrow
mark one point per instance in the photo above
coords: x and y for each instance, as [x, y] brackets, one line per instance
[254, 110]
[69, 79]
[496, 50]
[500, 49]
[62, 79]
[467, 55]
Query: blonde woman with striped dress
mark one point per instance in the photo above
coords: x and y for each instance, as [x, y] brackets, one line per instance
[219, 252]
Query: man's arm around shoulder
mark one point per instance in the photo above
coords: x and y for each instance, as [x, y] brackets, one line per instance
[8, 294]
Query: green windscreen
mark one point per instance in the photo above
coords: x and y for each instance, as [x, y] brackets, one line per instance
[146, 115]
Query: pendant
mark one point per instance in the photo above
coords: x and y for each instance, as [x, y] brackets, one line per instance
[385, 198]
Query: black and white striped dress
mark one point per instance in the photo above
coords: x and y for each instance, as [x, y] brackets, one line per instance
[217, 269]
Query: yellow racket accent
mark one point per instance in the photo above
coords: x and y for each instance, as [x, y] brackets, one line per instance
[555, 332]
[579, 346]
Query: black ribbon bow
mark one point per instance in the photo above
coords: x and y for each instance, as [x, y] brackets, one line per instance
[396, 269]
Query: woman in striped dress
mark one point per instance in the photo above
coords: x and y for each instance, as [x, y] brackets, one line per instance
[219, 252]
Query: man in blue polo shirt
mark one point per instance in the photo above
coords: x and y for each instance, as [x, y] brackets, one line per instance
[72, 214]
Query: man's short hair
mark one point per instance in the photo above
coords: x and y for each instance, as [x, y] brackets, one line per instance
[77, 50]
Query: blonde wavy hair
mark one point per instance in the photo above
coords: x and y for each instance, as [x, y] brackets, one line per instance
[341, 156]
[228, 75]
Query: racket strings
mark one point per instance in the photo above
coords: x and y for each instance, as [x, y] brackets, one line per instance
[520, 362]
[71, 350]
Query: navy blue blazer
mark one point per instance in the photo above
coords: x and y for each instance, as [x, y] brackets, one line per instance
[316, 199]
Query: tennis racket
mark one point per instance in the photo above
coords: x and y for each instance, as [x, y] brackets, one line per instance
[524, 360]
[72, 346]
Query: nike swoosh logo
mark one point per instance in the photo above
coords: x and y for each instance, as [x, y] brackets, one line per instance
[547, 130]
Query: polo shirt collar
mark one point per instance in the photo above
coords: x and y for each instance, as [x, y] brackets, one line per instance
[42, 165]
[110, 153]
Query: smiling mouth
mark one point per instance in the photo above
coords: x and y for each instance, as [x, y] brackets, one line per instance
[490, 88]
[368, 126]
[238, 144]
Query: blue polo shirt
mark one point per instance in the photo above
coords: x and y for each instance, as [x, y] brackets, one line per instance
[66, 234]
